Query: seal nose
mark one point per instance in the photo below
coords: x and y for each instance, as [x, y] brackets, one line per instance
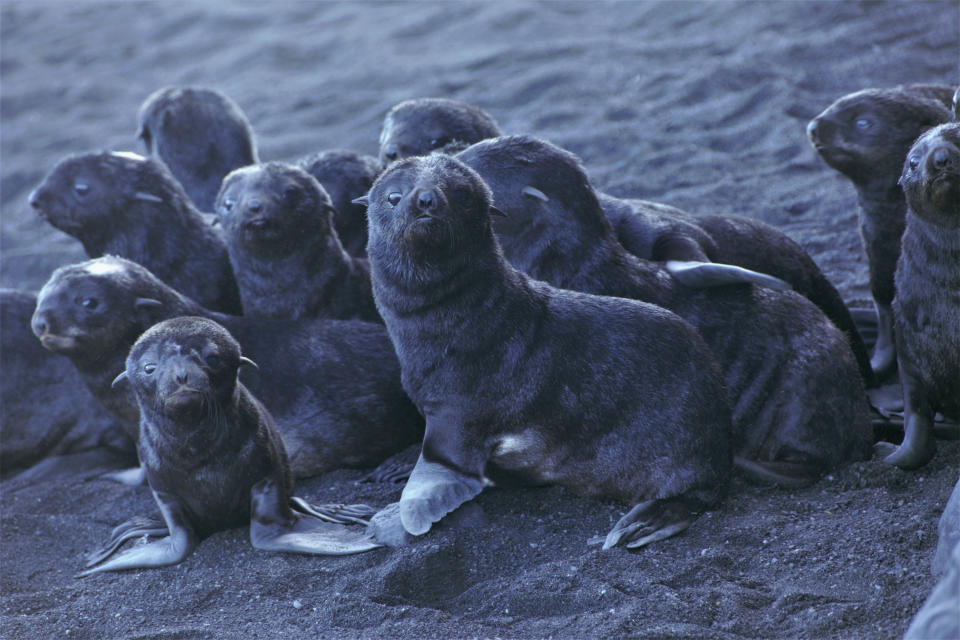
[813, 131]
[40, 323]
[390, 152]
[181, 376]
[254, 206]
[426, 200]
[34, 198]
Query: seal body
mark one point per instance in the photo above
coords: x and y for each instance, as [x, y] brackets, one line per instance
[658, 232]
[284, 248]
[865, 136]
[127, 205]
[927, 304]
[521, 382]
[799, 407]
[345, 175]
[200, 134]
[333, 387]
[45, 409]
[417, 127]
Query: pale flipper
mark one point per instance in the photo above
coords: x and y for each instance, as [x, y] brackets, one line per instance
[390, 471]
[650, 521]
[700, 275]
[132, 477]
[918, 444]
[160, 553]
[884, 357]
[433, 491]
[276, 527]
[334, 513]
[136, 527]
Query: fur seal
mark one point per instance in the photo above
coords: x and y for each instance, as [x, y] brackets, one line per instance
[200, 134]
[799, 407]
[659, 232]
[521, 382]
[417, 127]
[127, 205]
[212, 455]
[865, 136]
[45, 409]
[926, 308]
[345, 175]
[333, 387]
[285, 251]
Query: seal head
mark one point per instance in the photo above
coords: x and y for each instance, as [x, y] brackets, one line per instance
[417, 127]
[931, 176]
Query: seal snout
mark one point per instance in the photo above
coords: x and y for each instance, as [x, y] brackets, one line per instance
[390, 153]
[813, 132]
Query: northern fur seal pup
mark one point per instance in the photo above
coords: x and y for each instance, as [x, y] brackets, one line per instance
[417, 127]
[523, 382]
[212, 455]
[799, 407]
[345, 175]
[865, 136]
[333, 387]
[127, 205]
[200, 134]
[926, 308]
[285, 251]
[659, 232]
[45, 409]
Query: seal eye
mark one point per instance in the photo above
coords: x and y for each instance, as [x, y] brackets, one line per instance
[436, 143]
[863, 124]
[394, 198]
[213, 360]
[913, 162]
[81, 188]
[291, 196]
[89, 303]
[227, 205]
[149, 368]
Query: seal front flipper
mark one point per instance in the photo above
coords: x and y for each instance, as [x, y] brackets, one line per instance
[275, 527]
[161, 553]
[651, 521]
[131, 477]
[135, 527]
[700, 275]
[918, 445]
[433, 491]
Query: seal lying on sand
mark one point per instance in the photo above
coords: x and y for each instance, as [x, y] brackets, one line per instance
[45, 409]
[865, 136]
[522, 382]
[211, 452]
[127, 205]
[345, 175]
[417, 127]
[926, 308]
[333, 387]
[200, 134]
[799, 407]
[285, 251]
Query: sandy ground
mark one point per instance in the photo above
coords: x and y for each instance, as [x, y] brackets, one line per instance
[699, 105]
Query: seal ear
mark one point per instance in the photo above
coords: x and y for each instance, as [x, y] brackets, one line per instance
[146, 303]
[120, 378]
[496, 212]
[143, 308]
[363, 200]
[244, 360]
[533, 192]
[147, 197]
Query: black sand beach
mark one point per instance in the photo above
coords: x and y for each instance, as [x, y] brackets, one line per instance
[701, 105]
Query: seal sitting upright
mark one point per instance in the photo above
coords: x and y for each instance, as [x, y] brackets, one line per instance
[520, 381]
[211, 452]
[926, 308]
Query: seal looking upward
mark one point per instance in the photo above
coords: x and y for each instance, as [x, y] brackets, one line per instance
[417, 127]
[285, 251]
[211, 452]
[865, 136]
[926, 308]
[333, 387]
[345, 175]
[520, 381]
[799, 407]
[200, 134]
[127, 205]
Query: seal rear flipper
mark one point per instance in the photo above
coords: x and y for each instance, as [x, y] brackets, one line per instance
[389, 471]
[700, 275]
[275, 527]
[433, 491]
[135, 527]
[172, 549]
[334, 513]
[783, 473]
[650, 521]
